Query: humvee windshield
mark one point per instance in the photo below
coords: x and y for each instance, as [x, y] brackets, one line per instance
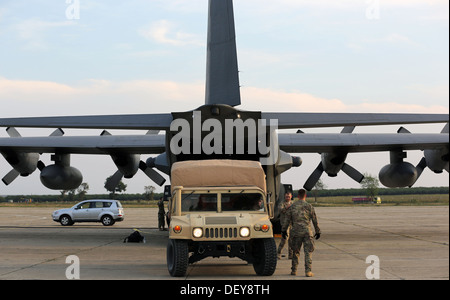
[230, 202]
[233, 202]
[199, 202]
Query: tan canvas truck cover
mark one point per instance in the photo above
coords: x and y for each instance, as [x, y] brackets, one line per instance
[212, 173]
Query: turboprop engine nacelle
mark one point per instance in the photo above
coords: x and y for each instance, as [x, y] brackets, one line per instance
[437, 160]
[61, 176]
[333, 162]
[24, 163]
[286, 162]
[128, 164]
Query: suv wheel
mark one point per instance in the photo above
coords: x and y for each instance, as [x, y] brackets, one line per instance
[107, 220]
[177, 257]
[265, 257]
[65, 220]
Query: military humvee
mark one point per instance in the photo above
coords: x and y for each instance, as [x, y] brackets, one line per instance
[220, 208]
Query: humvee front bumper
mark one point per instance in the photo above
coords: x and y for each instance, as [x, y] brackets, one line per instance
[201, 250]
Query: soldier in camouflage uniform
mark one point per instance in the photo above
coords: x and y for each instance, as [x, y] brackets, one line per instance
[299, 216]
[283, 208]
[161, 215]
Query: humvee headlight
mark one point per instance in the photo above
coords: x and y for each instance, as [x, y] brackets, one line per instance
[197, 232]
[177, 229]
[265, 228]
[244, 231]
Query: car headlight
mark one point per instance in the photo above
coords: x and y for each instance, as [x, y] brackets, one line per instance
[197, 232]
[244, 232]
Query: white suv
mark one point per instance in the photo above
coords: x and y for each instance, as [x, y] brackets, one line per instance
[106, 211]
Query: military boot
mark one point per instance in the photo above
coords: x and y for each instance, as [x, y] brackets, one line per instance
[309, 274]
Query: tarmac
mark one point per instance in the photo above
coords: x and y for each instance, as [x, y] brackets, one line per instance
[357, 243]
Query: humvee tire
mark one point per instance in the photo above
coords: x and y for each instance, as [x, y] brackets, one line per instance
[177, 257]
[265, 257]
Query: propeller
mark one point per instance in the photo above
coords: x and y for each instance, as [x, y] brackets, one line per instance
[24, 161]
[420, 168]
[130, 165]
[352, 173]
[10, 177]
[148, 167]
[314, 178]
[317, 173]
[437, 157]
[151, 173]
[12, 132]
[113, 181]
[332, 163]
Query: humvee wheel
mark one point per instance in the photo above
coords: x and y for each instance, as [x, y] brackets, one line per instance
[265, 257]
[177, 257]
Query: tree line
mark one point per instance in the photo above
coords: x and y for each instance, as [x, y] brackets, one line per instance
[386, 191]
[369, 187]
[146, 195]
[81, 193]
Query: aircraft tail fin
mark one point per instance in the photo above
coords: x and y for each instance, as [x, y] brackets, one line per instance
[222, 78]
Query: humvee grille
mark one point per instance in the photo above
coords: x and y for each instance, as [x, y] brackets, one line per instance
[220, 233]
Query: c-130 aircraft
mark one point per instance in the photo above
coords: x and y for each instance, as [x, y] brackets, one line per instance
[219, 111]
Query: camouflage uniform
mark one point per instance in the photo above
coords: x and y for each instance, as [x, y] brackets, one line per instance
[299, 216]
[283, 209]
[161, 215]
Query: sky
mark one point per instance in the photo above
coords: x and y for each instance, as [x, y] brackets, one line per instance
[84, 57]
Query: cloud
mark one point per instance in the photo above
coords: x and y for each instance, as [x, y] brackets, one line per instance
[17, 90]
[358, 3]
[440, 91]
[431, 10]
[27, 98]
[166, 32]
[393, 38]
[183, 6]
[33, 32]
[255, 98]
[3, 12]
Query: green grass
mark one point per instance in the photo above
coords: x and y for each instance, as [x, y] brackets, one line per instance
[68, 204]
[388, 200]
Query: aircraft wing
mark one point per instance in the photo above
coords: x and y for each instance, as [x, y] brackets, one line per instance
[315, 120]
[294, 143]
[350, 142]
[335, 147]
[132, 122]
[163, 121]
[131, 144]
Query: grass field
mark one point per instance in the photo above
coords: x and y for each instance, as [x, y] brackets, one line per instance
[389, 200]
